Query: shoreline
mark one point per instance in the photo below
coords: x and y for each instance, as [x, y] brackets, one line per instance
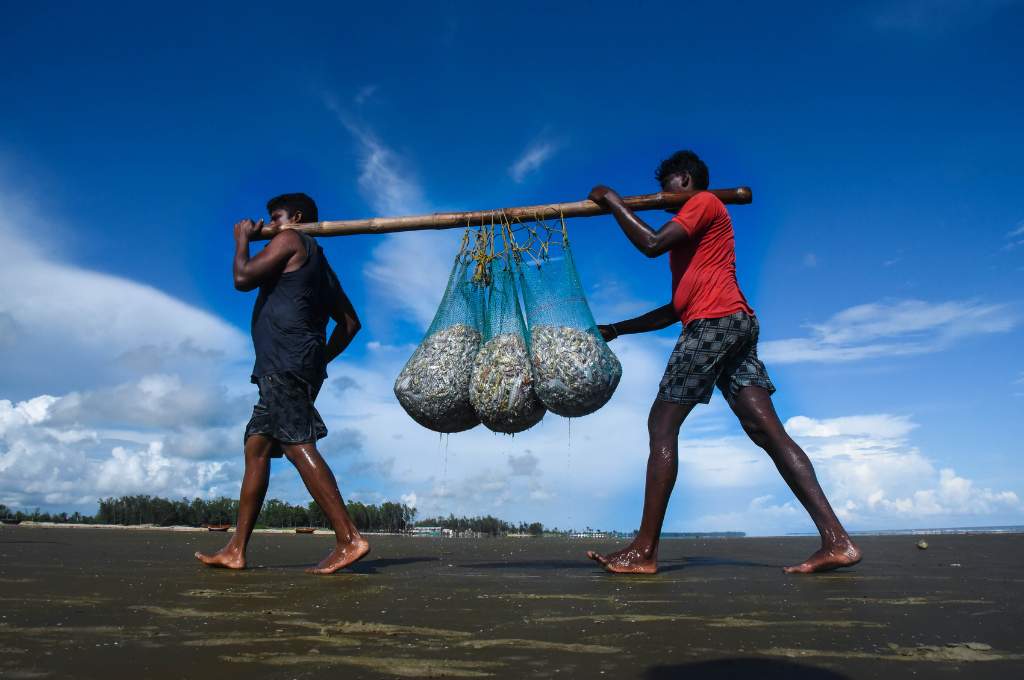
[947, 531]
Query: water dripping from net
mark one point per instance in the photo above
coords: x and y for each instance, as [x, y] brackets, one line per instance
[568, 467]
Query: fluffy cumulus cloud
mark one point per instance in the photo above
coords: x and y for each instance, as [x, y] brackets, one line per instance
[43, 462]
[891, 329]
[876, 476]
[109, 386]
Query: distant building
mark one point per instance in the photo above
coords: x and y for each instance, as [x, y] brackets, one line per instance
[590, 533]
[426, 531]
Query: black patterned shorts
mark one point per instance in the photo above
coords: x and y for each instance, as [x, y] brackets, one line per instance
[285, 411]
[713, 352]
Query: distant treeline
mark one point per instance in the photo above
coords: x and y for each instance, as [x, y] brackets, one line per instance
[131, 510]
[490, 526]
[386, 517]
[36, 516]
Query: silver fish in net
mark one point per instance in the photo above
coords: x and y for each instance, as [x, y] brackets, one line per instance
[433, 388]
[502, 386]
[575, 373]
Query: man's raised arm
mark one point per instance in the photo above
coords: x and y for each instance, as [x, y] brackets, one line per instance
[654, 320]
[269, 263]
[649, 242]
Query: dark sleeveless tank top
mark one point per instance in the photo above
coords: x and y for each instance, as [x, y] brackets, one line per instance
[289, 320]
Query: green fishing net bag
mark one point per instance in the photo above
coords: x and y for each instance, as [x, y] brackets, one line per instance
[575, 372]
[501, 388]
[434, 385]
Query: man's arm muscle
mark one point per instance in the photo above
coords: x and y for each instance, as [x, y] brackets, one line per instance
[268, 264]
[648, 241]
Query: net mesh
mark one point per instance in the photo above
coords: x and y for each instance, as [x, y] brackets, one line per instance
[575, 371]
[433, 386]
[501, 389]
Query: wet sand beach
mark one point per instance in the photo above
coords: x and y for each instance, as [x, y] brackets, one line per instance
[91, 603]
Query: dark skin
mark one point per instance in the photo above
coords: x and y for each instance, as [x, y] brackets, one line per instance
[286, 253]
[752, 406]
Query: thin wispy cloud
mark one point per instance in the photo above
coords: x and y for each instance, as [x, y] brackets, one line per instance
[412, 261]
[535, 155]
[365, 93]
[1015, 237]
[932, 18]
[891, 329]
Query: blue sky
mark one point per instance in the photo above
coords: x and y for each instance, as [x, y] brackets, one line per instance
[884, 250]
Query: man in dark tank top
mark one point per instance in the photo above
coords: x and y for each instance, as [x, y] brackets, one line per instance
[298, 293]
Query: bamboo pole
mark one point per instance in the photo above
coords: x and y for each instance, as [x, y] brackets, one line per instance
[454, 220]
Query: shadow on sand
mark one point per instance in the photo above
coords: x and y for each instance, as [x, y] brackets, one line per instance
[723, 669]
[370, 566]
[585, 563]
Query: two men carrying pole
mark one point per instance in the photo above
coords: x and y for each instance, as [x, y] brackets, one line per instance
[717, 346]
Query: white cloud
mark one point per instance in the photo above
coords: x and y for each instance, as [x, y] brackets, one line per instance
[535, 155]
[62, 326]
[1015, 238]
[408, 271]
[874, 475]
[365, 93]
[116, 386]
[41, 464]
[889, 329]
[934, 18]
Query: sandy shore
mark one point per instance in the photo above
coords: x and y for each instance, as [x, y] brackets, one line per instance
[80, 603]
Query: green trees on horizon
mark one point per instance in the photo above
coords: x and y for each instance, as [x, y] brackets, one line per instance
[387, 517]
[490, 526]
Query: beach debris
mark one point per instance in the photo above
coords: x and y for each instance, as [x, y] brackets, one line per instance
[575, 372]
[433, 387]
[501, 389]
[922, 545]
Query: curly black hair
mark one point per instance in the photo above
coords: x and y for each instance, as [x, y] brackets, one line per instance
[295, 203]
[684, 161]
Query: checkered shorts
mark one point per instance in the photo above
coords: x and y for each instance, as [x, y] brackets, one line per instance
[285, 411]
[713, 352]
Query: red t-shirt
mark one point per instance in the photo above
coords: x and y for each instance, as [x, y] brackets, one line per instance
[704, 267]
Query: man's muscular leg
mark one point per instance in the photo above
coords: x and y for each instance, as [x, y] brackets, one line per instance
[753, 406]
[250, 501]
[641, 556]
[322, 485]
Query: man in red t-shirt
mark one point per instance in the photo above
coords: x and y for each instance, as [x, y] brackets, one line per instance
[717, 346]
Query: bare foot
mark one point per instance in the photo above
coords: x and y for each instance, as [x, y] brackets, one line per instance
[844, 554]
[342, 556]
[629, 560]
[227, 557]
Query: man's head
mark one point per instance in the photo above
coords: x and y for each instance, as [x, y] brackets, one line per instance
[682, 171]
[292, 209]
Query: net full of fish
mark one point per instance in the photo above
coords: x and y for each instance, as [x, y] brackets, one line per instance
[575, 372]
[433, 388]
[501, 389]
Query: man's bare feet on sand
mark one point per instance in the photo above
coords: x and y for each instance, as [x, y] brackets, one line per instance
[228, 558]
[833, 557]
[629, 560]
[342, 556]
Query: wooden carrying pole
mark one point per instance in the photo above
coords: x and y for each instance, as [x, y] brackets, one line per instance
[454, 220]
